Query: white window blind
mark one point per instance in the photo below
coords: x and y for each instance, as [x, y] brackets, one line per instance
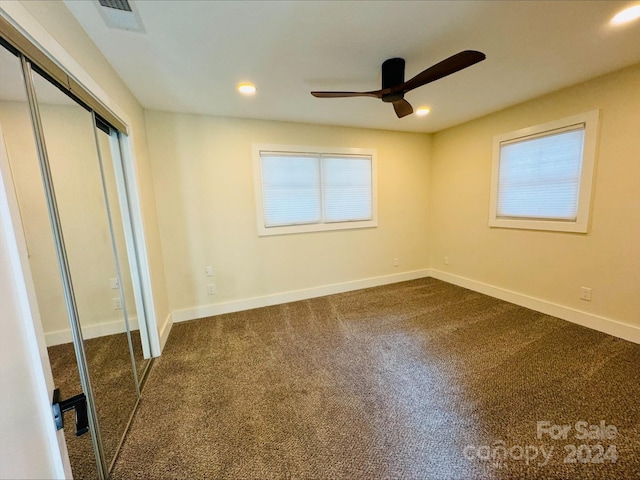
[291, 189]
[346, 188]
[540, 177]
[313, 190]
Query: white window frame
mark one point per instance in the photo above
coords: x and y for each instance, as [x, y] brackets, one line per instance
[314, 227]
[581, 223]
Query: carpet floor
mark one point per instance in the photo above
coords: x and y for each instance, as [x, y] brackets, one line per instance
[415, 380]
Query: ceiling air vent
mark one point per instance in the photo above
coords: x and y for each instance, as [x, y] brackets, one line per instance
[117, 4]
[120, 14]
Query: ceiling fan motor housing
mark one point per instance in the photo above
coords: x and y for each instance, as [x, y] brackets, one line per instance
[394, 87]
[393, 76]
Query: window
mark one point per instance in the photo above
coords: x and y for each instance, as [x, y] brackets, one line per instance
[541, 177]
[305, 189]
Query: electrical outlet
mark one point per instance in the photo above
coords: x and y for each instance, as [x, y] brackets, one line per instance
[117, 304]
[396, 262]
[446, 260]
[211, 289]
[208, 271]
[585, 294]
[114, 283]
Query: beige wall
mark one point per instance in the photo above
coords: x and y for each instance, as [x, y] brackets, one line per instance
[60, 23]
[203, 178]
[550, 266]
[202, 188]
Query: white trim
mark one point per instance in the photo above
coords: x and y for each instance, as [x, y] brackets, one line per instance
[59, 337]
[581, 223]
[129, 237]
[139, 237]
[602, 324]
[589, 320]
[165, 331]
[293, 296]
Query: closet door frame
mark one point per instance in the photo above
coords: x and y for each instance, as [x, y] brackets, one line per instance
[134, 256]
[123, 203]
[24, 36]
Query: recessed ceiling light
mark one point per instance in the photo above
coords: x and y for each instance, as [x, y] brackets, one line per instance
[247, 88]
[422, 111]
[627, 15]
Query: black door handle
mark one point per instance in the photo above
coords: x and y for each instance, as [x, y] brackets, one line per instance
[77, 403]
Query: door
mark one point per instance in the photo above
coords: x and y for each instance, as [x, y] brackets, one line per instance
[29, 444]
[76, 254]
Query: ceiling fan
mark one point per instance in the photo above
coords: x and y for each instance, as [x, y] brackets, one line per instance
[394, 87]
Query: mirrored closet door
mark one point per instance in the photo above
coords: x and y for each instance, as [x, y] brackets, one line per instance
[67, 172]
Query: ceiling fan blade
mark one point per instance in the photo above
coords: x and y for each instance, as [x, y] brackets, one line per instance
[376, 94]
[402, 108]
[453, 64]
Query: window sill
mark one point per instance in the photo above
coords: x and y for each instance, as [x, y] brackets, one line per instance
[546, 225]
[315, 227]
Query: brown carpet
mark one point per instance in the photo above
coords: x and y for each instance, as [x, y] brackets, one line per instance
[114, 390]
[416, 380]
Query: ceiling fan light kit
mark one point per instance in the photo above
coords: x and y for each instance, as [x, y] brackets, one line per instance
[394, 87]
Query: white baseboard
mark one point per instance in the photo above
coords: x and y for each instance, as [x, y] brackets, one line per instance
[60, 337]
[589, 320]
[293, 296]
[166, 329]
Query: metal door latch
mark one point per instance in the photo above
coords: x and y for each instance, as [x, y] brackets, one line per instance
[77, 403]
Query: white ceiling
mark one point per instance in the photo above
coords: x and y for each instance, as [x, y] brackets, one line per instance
[193, 54]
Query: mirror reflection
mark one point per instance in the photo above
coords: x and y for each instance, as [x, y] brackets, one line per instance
[82, 167]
